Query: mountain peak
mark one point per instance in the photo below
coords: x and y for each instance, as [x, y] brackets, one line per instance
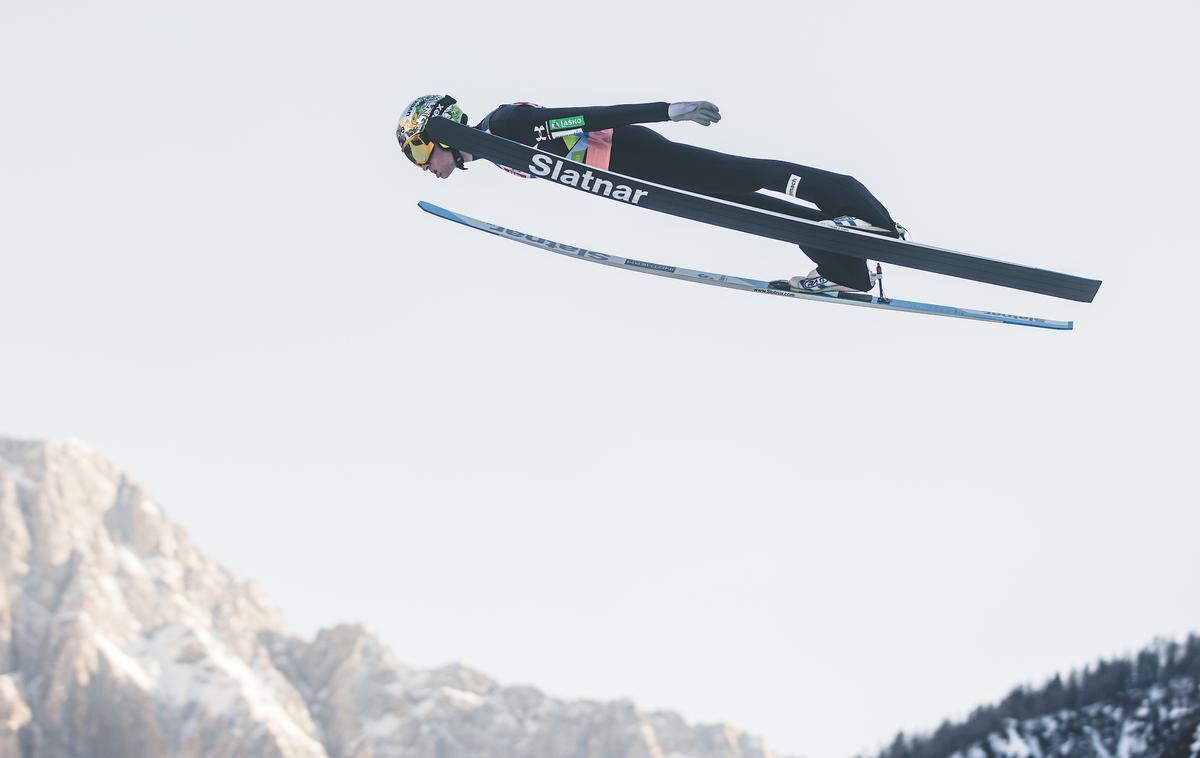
[120, 637]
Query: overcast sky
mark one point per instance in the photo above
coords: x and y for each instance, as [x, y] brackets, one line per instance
[820, 524]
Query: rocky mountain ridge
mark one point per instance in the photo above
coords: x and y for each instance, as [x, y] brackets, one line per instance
[119, 637]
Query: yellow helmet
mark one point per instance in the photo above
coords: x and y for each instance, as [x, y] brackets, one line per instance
[414, 119]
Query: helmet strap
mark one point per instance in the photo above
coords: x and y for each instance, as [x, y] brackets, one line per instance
[458, 159]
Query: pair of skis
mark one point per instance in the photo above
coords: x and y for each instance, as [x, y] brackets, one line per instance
[737, 282]
[762, 223]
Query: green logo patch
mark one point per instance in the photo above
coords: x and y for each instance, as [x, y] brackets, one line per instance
[572, 122]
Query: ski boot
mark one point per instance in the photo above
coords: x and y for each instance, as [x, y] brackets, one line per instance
[850, 222]
[815, 283]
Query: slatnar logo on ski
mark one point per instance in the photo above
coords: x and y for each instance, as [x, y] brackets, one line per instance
[549, 167]
[558, 247]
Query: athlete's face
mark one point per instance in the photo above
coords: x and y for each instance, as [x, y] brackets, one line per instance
[440, 163]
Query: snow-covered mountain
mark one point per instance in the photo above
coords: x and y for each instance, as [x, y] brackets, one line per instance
[1160, 723]
[1146, 706]
[118, 637]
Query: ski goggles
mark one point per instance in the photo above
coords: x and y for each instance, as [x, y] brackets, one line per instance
[418, 149]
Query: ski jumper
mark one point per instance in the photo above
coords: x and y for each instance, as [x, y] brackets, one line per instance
[608, 137]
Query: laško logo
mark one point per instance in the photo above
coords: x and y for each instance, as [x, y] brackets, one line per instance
[549, 167]
[557, 124]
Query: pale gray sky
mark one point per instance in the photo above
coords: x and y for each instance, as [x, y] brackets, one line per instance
[820, 524]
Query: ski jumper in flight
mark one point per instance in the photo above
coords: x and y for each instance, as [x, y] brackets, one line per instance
[611, 138]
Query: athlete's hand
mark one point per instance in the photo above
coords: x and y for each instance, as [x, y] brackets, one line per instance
[702, 112]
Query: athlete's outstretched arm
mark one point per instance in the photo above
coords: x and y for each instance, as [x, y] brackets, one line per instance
[516, 121]
[521, 121]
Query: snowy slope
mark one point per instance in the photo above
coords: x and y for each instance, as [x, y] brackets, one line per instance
[1162, 722]
[118, 637]
[1146, 706]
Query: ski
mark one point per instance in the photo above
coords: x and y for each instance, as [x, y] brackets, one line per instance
[763, 223]
[738, 282]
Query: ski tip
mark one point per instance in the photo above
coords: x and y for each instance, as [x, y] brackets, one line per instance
[439, 211]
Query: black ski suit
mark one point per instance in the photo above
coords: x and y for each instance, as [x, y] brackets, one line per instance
[607, 137]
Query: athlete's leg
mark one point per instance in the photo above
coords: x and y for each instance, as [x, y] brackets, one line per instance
[642, 152]
[836, 267]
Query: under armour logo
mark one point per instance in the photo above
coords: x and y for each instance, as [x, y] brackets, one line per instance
[539, 133]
